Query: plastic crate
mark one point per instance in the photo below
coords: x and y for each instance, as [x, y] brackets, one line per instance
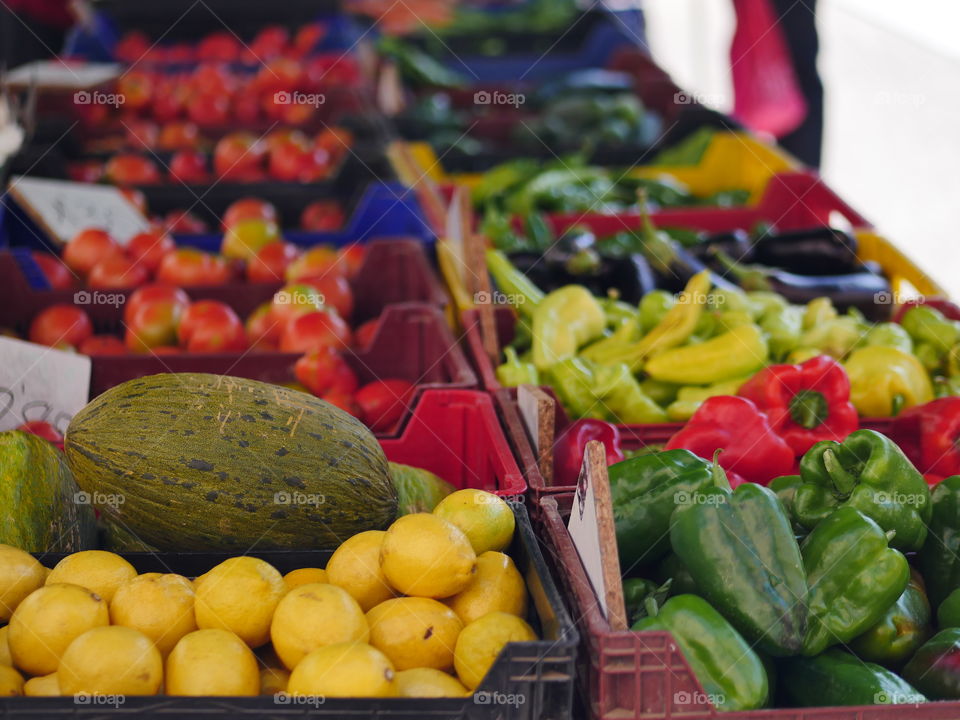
[643, 675]
[541, 673]
[379, 209]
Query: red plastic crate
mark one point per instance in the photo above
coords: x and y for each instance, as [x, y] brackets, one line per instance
[393, 271]
[644, 676]
[456, 435]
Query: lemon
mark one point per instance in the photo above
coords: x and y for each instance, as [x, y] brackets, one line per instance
[111, 660]
[273, 680]
[415, 632]
[428, 683]
[303, 576]
[424, 555]
[48, 620]
[352, 669]
[355, 566]
[97, 570]
[11, 682]
[240, 595]
[20, 575]
[312, 616]
[160, 606]
[212, 662]
[485, 519]
[482, 640]
[42, 686]
[496, 586]
[5, 657]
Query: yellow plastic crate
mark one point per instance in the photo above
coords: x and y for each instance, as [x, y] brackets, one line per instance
[732, 161]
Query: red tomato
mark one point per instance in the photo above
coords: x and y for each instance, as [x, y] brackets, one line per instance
[179, 136]
[363, 335]
[137, 88]
[206, 313]
[314, 330]
[184, 222]
[213, 79]
[324, 370]
[344, 401]
[263, 332]
[351, 259]
[335, 140]
[132, 47]
[288, 161]
[322, 216]
[43, 429]
[270, 262]
[116, 272]
[153, 324]
[383, 403]
[131, 169]
[188, 266]
[220, 46]
[316, 262]
[209, 110]
[279, 75]
[171, 100]
[293, 300]
[156, 294]
[269, 42]
[189, 167]
[249, 208]
[102, 345]
[238, 156]
[87, 248]
[308, 37]
[148, 248]
[246, 108]
[336, 293]
[142, 134]
[60, 324]
[57, 274]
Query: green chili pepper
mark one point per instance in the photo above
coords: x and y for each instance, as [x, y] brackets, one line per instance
[653, 307]
[620, 392]
[926, 324]
[513, 372]
[783, 329]
[563, 321]
[853, 576]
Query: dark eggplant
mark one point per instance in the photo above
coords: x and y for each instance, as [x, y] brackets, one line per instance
[819, 251]
[736, 244]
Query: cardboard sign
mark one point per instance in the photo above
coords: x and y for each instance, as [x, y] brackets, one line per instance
[56, 75]
[40, 383]
[65, 208]
[594, 535]
[538, 411]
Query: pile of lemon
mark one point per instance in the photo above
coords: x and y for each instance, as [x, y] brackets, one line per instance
[419, 610]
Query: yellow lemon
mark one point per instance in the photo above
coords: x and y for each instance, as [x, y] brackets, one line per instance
[160, 606]
[426, 556]
[5, 657]
[303, 576]
[11, 682]
[415, 632]
[355, 566]
[485, 519]
[482, 640]
[273, 680]
[428, 683]
[496, 586]
[240, 595]
[352, 669]
[312, 616]
[42, 686]
[20, 575]
[111, 660]
[212, 662]
[97, 570]
[48, 620]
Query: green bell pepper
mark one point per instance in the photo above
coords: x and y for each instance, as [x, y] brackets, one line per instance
[637, 591]
[786, 489]
[935, 668]
[625, 402]
[948, 614]
[672, 569]
[645, 491]
[513, 372]
[731, 673]
[939, 558]
[783, 329]
[902, 629]
[744, 559]
[853, 576]
[563, 321]
[868, 472]
[836, 678]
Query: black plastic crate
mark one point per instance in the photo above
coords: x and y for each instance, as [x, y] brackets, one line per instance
[538, 675]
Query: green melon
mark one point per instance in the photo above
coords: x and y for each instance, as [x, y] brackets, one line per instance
[210, 462]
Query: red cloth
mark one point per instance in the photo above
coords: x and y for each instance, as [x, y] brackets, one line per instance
[52, 13]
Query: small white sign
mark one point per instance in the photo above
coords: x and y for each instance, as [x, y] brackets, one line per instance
[58, 75]
[64, 208]
[585, 532]
[40, 383]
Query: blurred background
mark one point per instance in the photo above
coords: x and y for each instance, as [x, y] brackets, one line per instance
[891, 133]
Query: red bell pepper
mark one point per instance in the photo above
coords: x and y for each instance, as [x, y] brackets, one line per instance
[805, 403]
[570, 445]
[751, 449]
[929, 435]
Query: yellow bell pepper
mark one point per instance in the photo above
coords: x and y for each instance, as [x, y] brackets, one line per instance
[885, 380]
[563, 321]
